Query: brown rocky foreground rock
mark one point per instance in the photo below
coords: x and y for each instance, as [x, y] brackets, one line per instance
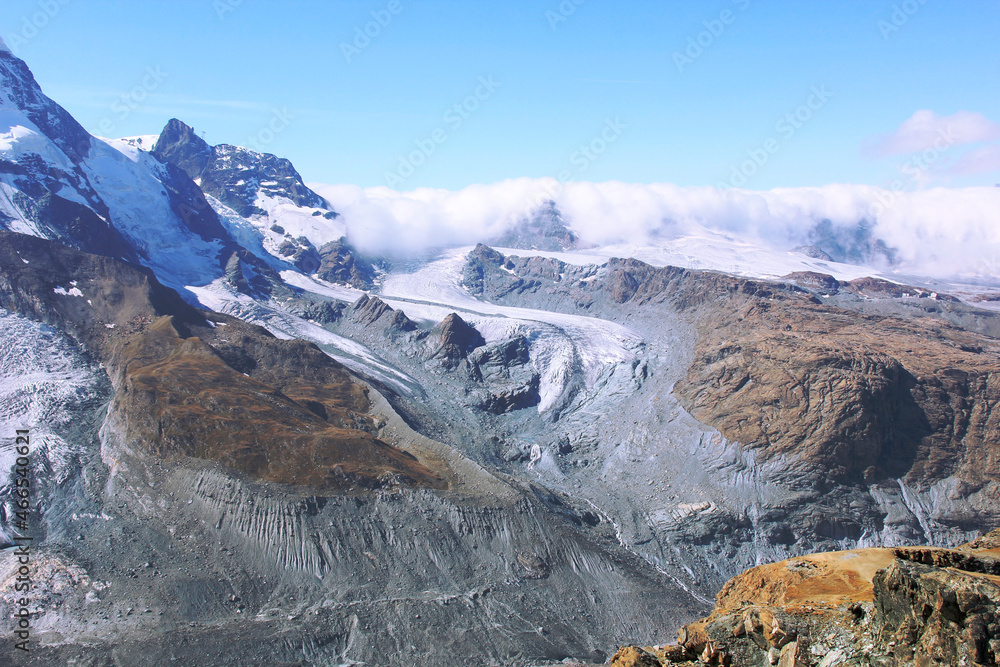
[902, 607]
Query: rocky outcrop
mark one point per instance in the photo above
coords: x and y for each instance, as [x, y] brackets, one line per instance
[820, 282]
[368, 310]
[302, 253]
[877, 288]
[248, 274]
[483, 264]
[322, 311]
[339, 264]
[895, 608]
[452, 340]
[489, 273]
[498, 359]
[505, 367]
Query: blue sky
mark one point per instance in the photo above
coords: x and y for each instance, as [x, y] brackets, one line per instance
[874, 85]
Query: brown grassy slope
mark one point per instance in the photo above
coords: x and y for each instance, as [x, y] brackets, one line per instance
[275, 410]
[859, 397]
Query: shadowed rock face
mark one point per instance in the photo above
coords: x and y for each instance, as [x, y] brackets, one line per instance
[338, 264]
[893, 607]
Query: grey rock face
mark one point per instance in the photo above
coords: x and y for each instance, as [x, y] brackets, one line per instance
[71, 222]
[505, 367]
[233, 175]
[813, 251]
[453, 340]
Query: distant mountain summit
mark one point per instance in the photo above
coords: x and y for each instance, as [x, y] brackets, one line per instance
[544, 230]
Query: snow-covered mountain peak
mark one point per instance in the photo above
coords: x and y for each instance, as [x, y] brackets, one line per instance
[261, 198]
[20, 91]
[103, 196]
[3, 46]
[236, 176]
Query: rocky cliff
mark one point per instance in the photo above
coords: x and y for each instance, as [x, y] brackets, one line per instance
[900, 607]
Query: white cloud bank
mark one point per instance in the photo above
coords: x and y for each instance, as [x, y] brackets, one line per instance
[938, 232]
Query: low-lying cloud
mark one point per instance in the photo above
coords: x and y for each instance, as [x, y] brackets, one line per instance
[942, 232]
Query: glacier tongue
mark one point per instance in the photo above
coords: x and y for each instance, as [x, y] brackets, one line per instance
[559, 342]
